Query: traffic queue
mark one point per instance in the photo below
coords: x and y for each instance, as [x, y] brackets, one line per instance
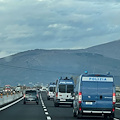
[93, 94]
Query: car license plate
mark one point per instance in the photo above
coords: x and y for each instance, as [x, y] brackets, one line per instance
[30, 99]
[62, 100]
[88, 103]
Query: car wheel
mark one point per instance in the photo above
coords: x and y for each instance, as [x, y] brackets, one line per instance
[112, 117]
[37, 103]
[56, 104]
[74, 113]
[78, 115]
[48, 98]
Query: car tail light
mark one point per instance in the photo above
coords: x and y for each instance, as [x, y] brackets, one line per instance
[56, 94]
[48, 93]
[80, 97]
[24, 95]
[37, 95]
[114, 98]
[113, 109]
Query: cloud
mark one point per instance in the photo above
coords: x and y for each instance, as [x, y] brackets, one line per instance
[57, 24]
[60, 26]
[18, 31]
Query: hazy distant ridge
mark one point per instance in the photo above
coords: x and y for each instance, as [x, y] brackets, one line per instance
[44, 66]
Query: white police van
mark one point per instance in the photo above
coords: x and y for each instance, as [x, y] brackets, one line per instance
[94, 95]
[51, 90]
[64, 92]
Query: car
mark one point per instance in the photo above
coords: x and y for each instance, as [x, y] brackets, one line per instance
[18, 89]
[31, 96]
[43, 89]
[64, 92]
[94, 95]
[1, 90]
[51, 90]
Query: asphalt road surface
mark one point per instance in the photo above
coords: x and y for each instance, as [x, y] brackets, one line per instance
[44, 111]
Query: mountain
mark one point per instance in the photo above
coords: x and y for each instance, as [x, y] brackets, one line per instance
[111, 49]
[44, 66]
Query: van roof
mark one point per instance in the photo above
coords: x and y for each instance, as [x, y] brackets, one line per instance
[66, 81]
[96, 75]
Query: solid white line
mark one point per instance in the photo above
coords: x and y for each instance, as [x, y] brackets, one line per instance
[10, 104]
[48, 118]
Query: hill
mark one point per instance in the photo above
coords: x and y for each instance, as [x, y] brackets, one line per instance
[111, 49]
[44, 66]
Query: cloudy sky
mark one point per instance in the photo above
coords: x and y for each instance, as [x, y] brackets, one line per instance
[57, 24]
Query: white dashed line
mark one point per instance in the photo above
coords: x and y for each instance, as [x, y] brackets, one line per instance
[117, 108]
[116, 119]
[44, 108]
[48, 118]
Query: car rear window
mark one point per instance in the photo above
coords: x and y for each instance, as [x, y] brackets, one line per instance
[31, 92]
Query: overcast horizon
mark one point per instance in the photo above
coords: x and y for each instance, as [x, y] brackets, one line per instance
[52, 24]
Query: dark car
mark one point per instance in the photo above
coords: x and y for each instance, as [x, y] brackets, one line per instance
[31, 96]
[1, 90]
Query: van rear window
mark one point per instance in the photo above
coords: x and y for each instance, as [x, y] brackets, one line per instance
[62, 88]
[52, 89]
[70, 88]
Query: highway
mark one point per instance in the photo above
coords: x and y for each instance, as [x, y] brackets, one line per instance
[44, 111]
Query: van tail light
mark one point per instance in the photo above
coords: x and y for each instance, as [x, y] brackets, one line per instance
[113, 109]
[80, 97]
[114, 98]
[56, 94]
[37, 95]
[48, 93]
[80, 109]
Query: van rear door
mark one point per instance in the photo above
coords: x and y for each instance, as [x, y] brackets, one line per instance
[97, 92]
[89, 93]
[105, 93]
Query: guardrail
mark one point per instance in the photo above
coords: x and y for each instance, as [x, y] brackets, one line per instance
[4, 99]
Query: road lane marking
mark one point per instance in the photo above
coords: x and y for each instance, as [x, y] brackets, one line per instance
[44, 108]
[46, 113]
[117, 108]
[48, 118]
[5, 107]
[116, 119]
